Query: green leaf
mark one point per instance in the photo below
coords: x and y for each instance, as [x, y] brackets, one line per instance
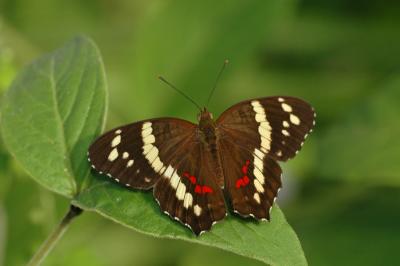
[52, 111]
[274, 243]
[56, 107]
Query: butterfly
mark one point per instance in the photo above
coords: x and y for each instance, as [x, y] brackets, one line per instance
[197, 170]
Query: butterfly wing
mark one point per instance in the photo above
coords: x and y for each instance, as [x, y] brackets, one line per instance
[132, 154]
[277, 126]
[189, 191]
[252, 179]
[253, 135]
[163, 154]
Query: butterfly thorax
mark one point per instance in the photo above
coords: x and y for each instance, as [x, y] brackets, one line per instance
[207, 128]
[209, 137]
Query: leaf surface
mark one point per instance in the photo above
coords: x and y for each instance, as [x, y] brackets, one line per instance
[274, 243]
[52, 111]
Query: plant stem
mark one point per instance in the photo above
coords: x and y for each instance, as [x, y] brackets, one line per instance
[51, 241]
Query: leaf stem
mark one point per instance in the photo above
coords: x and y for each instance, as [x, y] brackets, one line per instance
[51, 241]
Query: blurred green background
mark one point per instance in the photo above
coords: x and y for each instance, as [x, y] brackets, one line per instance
[342, 193]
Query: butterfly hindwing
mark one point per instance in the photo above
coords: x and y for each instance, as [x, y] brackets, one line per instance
[252, 179]
[277, 125]
[189, 191]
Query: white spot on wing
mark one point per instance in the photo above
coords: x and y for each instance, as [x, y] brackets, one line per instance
[281, 100]
[162, 169]
[147, 131]
[175, 180]
[264, 132]
[116, 141]
[149, 139]
[130, 163]
[188, 201]
[256, 104]
[260, 117]
[168, 173]
[287, 108]
[258, 162]
[152, 154]
[157, 165]
[118, 131]
[258, 186]
[285, 124]
[147, 148]
[180, 191]
[258, 153]
[125, 155]
[258, 174]
[256, 197]
[264, 127]
[197, 210]
[285, 132]
[146, 125]
[265, 143]
[294, 119]
[113, 155]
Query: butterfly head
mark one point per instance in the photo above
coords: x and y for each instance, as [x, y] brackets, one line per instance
[205, 118]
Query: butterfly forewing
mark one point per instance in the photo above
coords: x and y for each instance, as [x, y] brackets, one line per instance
[276, 125]
[165, 154]
[131, 154]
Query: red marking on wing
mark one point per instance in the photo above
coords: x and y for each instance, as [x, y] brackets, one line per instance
[245, 167]
[242, 182]
[206, 189]
[198, 188]
[191, 177]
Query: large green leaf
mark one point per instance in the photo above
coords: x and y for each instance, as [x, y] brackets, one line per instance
[52, 111]
[56, 107]
[274, 243]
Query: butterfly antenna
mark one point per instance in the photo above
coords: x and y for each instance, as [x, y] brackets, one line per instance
[216, 81]
[179, 91]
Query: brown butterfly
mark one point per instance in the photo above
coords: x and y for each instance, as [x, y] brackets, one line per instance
[193, 169]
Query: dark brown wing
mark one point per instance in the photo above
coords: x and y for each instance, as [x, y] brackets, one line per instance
[252, 179]
[252, 136]
[164, 154]
[132, 154]
[189, 191]
[277, 126]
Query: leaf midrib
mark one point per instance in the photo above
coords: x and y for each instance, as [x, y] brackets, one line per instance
[61, 126]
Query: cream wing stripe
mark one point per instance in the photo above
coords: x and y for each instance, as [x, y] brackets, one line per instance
[264, 128]
[150, 151]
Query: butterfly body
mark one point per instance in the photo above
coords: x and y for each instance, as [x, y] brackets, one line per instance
[194, 170]
[208, 136]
